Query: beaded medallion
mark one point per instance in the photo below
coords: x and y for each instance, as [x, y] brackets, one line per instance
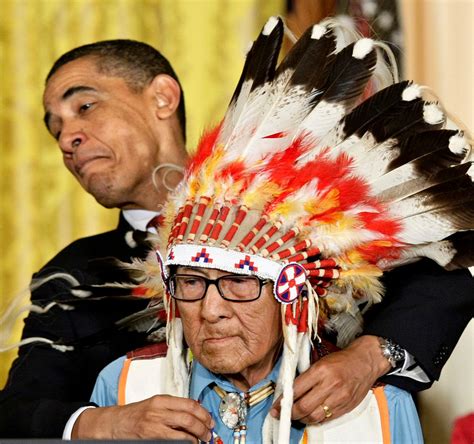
[233, 409]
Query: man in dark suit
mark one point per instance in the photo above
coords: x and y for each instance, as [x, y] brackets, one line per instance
[114, 125]
[116, 120]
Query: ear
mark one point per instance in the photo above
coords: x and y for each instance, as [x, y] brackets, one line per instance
[165, 95]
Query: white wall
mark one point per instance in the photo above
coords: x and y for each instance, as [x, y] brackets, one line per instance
[453, 395]
[439, 46]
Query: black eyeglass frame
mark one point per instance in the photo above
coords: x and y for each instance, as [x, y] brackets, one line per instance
[215, 282]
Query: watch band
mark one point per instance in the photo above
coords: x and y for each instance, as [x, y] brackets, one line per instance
[392, 351]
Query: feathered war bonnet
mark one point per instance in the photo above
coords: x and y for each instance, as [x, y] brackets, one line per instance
[318, 182]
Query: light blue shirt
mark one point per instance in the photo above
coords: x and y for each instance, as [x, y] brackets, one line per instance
[404, 423]
[201, 389]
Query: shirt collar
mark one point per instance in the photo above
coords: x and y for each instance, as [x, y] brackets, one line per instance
[202, 378]
[138, 219]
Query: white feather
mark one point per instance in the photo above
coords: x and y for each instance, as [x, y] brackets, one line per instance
[283, 116]
[441, 252]
[362, 47]
[81, 293]
[422, 227]
[432, 114]
[348, 327]
[398, 176]
[318, 31]
[411, 92]
[333, 240]
[284, 109]
[322, 119]
[130, 240]
[248, 119]
[270, 26]
[233, 113]
[458, 144]
[344, 30]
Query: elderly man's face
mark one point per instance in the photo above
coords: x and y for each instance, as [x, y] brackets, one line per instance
[232, 338]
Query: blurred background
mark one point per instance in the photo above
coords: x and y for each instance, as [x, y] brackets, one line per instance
[42, 209]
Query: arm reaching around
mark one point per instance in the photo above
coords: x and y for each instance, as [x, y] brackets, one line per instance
[339, 381]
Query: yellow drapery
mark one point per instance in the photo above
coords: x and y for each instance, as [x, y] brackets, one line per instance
[42, 209]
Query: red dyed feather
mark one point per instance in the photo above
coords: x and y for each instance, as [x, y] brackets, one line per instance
[377, 222]
[204, 149]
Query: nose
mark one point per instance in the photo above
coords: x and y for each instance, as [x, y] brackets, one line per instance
[213, 306]
[72, 136]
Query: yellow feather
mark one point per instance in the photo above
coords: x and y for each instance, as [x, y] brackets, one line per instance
[286, 208]
[318, 206]
[382, 243]
[365, 270]
[256, 199]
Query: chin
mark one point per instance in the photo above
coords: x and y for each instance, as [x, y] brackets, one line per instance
[222, 363]
[104, 194]
[223, 367]
[106, 202]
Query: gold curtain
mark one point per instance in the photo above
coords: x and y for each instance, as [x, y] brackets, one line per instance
[42, 209]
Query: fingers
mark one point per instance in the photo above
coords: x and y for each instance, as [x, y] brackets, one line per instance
[188, 423]
[303, 384]
[308, 380]
[320, 414]
[309, 392]
[160, 416]
[330, 382]
[180, 435]
[309, 408]
[186, 416]
[327, 410]
[187, 405]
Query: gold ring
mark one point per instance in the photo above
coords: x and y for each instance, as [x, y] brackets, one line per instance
[327, 411]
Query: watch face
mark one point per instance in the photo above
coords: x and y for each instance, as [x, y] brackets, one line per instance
[392, 352]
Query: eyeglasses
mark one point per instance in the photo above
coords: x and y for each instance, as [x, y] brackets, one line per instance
[232, 287]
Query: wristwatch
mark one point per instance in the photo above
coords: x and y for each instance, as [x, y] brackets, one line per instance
[394, 354]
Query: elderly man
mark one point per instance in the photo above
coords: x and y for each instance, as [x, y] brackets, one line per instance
[232, 325]
[281, 228]
[114, 123]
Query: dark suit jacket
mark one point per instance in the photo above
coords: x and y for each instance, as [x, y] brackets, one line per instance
[46, 386]
[425, 311]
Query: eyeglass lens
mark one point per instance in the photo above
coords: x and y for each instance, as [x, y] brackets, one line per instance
[239, 288]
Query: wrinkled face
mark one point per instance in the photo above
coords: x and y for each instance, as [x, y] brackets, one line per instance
[104, 130]
[230, 337]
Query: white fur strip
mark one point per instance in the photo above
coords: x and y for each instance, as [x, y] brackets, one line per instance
[287, 371]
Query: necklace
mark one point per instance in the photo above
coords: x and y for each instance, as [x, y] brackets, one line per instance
[234, 406]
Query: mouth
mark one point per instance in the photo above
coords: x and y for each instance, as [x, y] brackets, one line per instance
[82, 164]
[220, 340]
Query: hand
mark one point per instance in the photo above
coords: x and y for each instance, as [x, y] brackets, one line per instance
[161, 416]
[339, 380]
